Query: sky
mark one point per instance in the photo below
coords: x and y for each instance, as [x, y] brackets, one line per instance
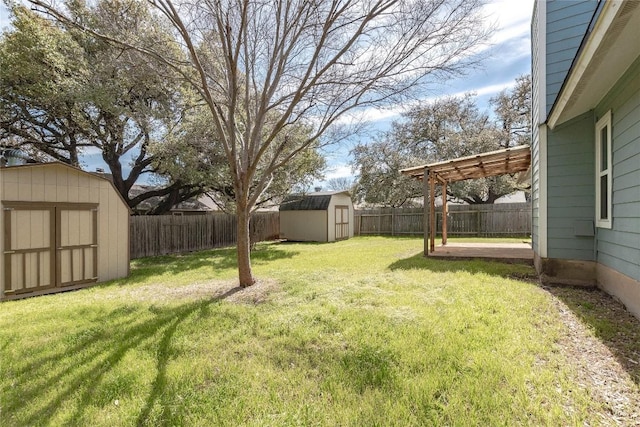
[507, 58]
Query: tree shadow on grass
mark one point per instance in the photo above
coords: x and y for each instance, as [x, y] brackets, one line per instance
[610, 322]
[73, 373]
[218, 259]
[496, 268]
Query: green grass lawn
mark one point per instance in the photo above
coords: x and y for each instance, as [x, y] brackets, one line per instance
[362, 332]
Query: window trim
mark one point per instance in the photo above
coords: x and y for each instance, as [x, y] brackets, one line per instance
[604, 122]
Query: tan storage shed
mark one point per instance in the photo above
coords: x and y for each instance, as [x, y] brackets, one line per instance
[317, 217]
[63, 229]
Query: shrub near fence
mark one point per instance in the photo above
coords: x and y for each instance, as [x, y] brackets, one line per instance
[492, 220]
[168, 234]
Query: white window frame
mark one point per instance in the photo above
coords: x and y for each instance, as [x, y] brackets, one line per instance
[604, 122]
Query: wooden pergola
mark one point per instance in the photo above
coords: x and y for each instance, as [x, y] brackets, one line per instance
[493, 163]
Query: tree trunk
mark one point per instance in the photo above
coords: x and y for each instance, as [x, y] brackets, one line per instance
[244, 247]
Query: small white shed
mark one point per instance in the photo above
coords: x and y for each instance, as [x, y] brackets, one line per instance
[317, 217]
[62, 228]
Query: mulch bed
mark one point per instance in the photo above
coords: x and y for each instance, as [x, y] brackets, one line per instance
[603, 340]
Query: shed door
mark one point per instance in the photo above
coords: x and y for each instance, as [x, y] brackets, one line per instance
[342, 222]
[49, 245]
[29, 249]
[77, 250]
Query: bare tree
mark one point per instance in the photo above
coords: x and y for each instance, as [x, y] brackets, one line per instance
[264, 66]
[341, 183]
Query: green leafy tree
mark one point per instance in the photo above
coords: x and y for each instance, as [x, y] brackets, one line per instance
[66, 94]
[379, 181]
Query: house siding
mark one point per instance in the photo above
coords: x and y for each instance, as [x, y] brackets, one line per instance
[537, 92]
[566, 24]
[619, 247]
[571, 188]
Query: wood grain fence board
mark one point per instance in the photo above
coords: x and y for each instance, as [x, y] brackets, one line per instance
[507, 219]
[168, 234]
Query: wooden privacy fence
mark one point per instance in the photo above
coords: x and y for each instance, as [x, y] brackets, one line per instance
[168, 234]
[492, 220]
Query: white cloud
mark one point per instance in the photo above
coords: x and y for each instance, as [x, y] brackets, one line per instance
[339, 171]
[513, 21]
[375, 114]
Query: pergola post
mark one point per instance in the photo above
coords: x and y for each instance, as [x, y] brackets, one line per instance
[432, 212]
[425, 193]
[444, 213]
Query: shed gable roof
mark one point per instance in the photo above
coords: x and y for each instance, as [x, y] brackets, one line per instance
[60, 165]
[308, 202]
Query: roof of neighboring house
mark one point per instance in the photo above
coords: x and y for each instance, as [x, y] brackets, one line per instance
[492, 163]
[309, 202]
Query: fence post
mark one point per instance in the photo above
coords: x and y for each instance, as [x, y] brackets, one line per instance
[393, 220]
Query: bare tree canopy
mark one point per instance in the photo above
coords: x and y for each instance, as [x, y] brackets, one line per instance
[264, 66]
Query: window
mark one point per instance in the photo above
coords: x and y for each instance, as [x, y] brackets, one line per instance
[603, 171]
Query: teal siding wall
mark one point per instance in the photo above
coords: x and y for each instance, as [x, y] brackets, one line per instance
[567, 22]
[571, 188]
[619, 247]
[535, 191]
[535, 137]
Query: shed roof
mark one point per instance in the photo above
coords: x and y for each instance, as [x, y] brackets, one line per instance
[492, 163]
[309, 202]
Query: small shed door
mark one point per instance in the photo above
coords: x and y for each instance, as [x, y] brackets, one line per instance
[77, 245]
[342, 222]
[49, 245]
[29, 248]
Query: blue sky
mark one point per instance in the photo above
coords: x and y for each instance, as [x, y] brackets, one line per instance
[507, 58]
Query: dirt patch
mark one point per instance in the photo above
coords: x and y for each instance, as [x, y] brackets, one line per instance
[256, 294]
[602, 341]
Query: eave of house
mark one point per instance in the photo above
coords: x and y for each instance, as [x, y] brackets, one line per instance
[607, 52]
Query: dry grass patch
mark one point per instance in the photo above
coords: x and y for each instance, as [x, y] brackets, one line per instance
[227, 290]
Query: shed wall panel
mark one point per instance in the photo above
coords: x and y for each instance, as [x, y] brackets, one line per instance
[304, 226]
[339, 200]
